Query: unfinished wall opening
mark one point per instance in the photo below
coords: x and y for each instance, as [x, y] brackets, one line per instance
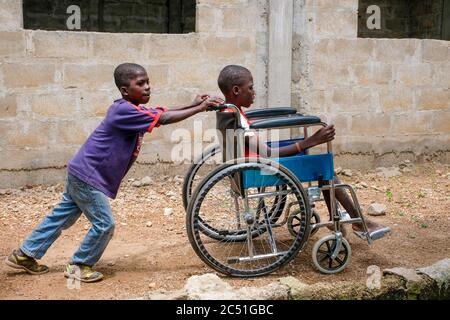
[140, 16]
[422, 19]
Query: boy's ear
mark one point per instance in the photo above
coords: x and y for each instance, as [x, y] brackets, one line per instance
[236, 90]
[124, 91]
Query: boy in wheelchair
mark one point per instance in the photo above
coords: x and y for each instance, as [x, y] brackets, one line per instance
[236, 84]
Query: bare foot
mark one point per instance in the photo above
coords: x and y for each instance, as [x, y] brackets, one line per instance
[371, 226]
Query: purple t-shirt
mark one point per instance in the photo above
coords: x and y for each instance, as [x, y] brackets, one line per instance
[107, 155]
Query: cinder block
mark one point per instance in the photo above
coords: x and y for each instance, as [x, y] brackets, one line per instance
[158, 75]
[60, 44]
[351, 50]
[396, 99]
[373, 124]
[349, 99]
[441, 122]
[339, 4]
[435, 51]
[234, 21]
[163, 48]
[30, 134]
[12, 44]
[434, 99]
[89, 76]
[370, 74]
[10, 15]
[37, 157]
[340, 122]
[54, 105]
[330, 74]
[71, 132]
[336, 23]
[28, 75]
[201, 76]
[8, 106]
[397, 50]
[123, 47]
[416, 123]
[226, 48]
[442, 75]
[208, 19]
[415, 74]
[96, 103]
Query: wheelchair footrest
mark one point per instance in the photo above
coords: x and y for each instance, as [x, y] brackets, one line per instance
[255, 257]
[374, 235]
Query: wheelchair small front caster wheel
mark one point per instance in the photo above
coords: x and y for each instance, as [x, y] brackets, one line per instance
[294, 222]
[322, 254]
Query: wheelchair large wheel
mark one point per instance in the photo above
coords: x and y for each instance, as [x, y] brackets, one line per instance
[195, 171]
[322, 254]
[276, 206]
[252, 242]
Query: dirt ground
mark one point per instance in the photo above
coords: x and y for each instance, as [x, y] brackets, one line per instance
[151, 251]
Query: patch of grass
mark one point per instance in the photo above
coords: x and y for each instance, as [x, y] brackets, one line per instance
[410, 236]
[424, 226]
[414, 218]
[389, 195]
[420, 195]
[401, 213]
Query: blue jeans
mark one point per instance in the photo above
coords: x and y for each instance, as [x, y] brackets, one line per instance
[77, 197]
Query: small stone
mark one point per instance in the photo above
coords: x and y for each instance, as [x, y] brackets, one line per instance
[178, 178]
[111, 263]
[406, 170]
[152, 285]
[146, 181]
[126, 256]
[388, 172]
[347, 173]
[149, 224]
[377, 188]
[123, 223]
[338, 170]
[376, 209]
[171, 194]
[363, 184]
[136, 184]
[168, 211]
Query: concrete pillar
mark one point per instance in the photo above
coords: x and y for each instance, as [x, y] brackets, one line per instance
[280, 52]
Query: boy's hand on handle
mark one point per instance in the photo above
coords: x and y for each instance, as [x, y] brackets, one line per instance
[211, 101]
[323, 135]
[199, 99]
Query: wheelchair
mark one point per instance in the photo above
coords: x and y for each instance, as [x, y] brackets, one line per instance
[250, 216]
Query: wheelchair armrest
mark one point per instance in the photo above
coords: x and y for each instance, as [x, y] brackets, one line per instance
[270, 112]
[296, 120]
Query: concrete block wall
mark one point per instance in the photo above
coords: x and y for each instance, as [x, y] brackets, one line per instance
[389, 98]
[55, 86]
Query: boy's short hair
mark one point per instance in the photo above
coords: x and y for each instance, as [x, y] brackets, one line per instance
[126, 72]
[232, 75]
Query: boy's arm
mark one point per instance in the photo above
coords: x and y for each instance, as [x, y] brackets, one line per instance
[323, 135]
[176, 115]
[197, 100]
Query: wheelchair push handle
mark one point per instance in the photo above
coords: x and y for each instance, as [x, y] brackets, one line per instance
[220, 107]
